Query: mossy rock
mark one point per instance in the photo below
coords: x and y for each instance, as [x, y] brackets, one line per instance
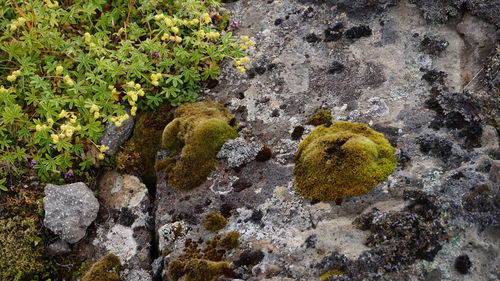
[230, 240]
[343, 160]
[215, 222]
[137, 156]
[106, 269]
[322, 117]
[193, 140]
[21, 249]
[196, 270]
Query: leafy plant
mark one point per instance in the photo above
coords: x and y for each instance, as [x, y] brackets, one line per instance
[67, 68]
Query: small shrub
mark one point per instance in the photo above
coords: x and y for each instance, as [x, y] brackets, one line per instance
[69, 67]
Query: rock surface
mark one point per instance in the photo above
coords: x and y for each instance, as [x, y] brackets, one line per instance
[69, 210]
[123, 227]
[114, 136]
[401, 76]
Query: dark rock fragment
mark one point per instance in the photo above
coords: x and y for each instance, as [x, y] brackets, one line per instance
[336, 67]
[312, 38]
[264, 154]
[249, 258]
[357, 32]
[433, 45]
[463, 264]
[297, 132]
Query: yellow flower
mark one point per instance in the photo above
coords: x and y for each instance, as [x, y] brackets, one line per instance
[94, 108]
[55, 138]
[133, 110]
[3, 90]
[101, 155]
[137, 86]
[237, 62]
[178, 39]
[118, 123]
[13, 26]
[185, 22]
[39, 128]
[21, 20]
[130, 84]
[245, 38]
[68, 80]
[168, 22]
[251, 43]
[11, 78]
[159, 17]
[155, 83]
[50, 121]
[206, 18]
[175, 29]
[141, 93]
[17, 73]
[87, 37]
[195, 21]
[63, 114]
[59, 69]
[244, 47]
[97, 114]
[241, 69]
[103, 148]
[245, 59]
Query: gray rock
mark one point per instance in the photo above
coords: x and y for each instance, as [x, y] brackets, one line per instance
[69, 210]
[126, 230]
[58, 248]
[238, 152]
[115, 136]
[157, 267]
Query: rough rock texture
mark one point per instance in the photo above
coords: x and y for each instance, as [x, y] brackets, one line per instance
[123, 227]
[69, 210]
[115, 136]
[238, 152]
[429, 88]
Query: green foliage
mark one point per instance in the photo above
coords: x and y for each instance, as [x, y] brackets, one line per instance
[346, 159]
[106, 269]
[68, 68]
[215, 222]
[193, 140]
[21, 248]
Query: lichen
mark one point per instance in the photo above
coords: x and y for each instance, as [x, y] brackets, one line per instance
[346, 159]
[137, 156]
[215, 222]
[106, 269]
[322, 117]
[230, 240]
[21, 251]
[193, 140]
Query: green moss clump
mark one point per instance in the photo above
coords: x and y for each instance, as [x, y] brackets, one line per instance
[231, 240]
[346, 159]
[21, 250]
[331, 273]
[196, 270]
[106, 269]
[322, 117]
[215, 222]
[193, 139]
[137, 156]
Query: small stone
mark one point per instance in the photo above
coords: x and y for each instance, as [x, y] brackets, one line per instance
[297, 132]
[249, 258]
[114, 136]
[264, 154]
[58, 248]
[278, 21]
[69, 210]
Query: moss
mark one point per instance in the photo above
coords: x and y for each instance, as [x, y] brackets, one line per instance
[331, 273]
[137, 156]
[196, 270]
[106, 269]
[346, 159]
[21, 249]
[193, 140]
[231, 240]
[215, 222]
[322, 117]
